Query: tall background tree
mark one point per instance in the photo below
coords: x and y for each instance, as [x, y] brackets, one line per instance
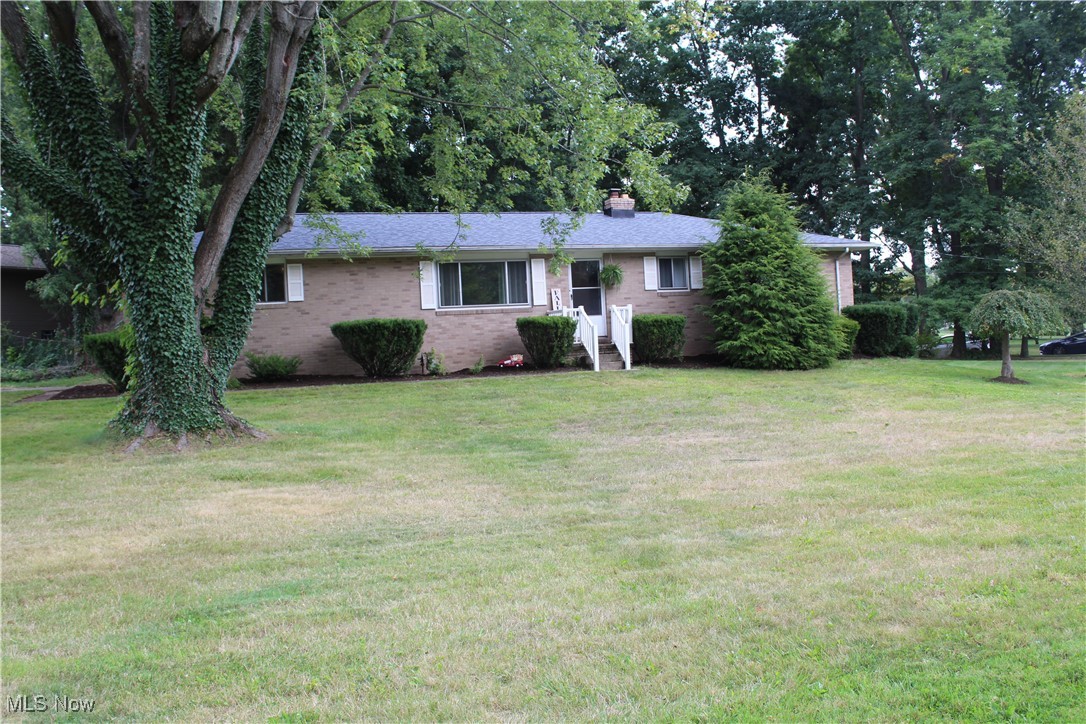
[512, 95]
[1049, 234]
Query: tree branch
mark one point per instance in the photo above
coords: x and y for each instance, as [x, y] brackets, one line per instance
[141, 54]
[289, 31]
[114, 38]
[199, 22]
[16, 31]
[226, 46]
[902, 37]
[61, 17]
[364, 6]
[357, 87]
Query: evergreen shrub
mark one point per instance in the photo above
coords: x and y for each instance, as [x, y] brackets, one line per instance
[769, 305]
[271, 367]
[847, 329]
[383, 347]
[882, 327]
[109, 350]
[548, 340]
[659, 337]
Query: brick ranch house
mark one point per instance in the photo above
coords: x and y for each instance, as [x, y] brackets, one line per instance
[500, 272]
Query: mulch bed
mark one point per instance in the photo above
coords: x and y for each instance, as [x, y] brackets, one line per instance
[85, 392]
[322, 380]
[88, 392]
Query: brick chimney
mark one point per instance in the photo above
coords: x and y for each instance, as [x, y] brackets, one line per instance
[618, 205]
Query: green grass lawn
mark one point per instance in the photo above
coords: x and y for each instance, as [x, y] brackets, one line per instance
[83, 379]
[890, 540]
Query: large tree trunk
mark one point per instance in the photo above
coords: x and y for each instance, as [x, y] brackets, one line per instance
[957, 350]
[173, 391]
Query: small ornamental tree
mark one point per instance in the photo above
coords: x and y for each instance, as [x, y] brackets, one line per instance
[769, 304]
[1004, 312]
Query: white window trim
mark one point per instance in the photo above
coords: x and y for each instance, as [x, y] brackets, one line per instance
[506, 262]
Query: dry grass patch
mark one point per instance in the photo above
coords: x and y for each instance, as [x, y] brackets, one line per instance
[881, 540]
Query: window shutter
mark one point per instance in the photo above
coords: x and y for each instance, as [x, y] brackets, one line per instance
[651, 284]
[295, 284]
[695, 273]
[427, 286]
[539, 282]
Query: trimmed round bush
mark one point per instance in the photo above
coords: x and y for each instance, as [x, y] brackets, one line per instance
[548, 340]
[847, 329]
[882, 325]
[659, 337]
[383, 347]
[271, 367]
[109, 350]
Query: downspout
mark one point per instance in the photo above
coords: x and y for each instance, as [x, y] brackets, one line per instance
[837, 280]
[837, 275]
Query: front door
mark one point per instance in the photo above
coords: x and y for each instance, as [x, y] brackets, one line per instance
[586, 291]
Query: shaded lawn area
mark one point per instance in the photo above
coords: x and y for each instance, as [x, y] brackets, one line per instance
[890, 539]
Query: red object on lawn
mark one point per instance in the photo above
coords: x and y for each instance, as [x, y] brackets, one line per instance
[516, 360]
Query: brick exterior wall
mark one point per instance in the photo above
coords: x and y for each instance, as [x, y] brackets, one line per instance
[337, 290]
[843, 262]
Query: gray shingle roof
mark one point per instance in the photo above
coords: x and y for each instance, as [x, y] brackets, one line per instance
[522, 230]
[12, 257]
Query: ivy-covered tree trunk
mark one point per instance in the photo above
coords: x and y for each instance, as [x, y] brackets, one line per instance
[171, 391]
[129, 199]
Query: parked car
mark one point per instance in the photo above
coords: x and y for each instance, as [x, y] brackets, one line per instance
[1075, 344]
[946, 344]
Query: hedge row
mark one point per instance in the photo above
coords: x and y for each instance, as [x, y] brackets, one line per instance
[886, 329]
[847, 331]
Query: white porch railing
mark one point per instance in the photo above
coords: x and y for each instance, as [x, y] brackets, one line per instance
[585, 333]
[622, 331]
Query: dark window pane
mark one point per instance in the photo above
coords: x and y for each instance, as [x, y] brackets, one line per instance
[589, 299]
[518, 282]
[482, 283]
[673, 273]
[586, 274]
[678, 273]
[274, 288]
[665, 274]
[450, 284]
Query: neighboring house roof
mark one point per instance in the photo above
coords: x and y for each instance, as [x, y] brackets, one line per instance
[520, 230]
[12, 257]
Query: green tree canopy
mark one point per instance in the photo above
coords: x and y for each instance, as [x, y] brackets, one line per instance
[1049, 234]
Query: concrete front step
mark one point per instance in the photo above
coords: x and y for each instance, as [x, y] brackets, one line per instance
[610, 359]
